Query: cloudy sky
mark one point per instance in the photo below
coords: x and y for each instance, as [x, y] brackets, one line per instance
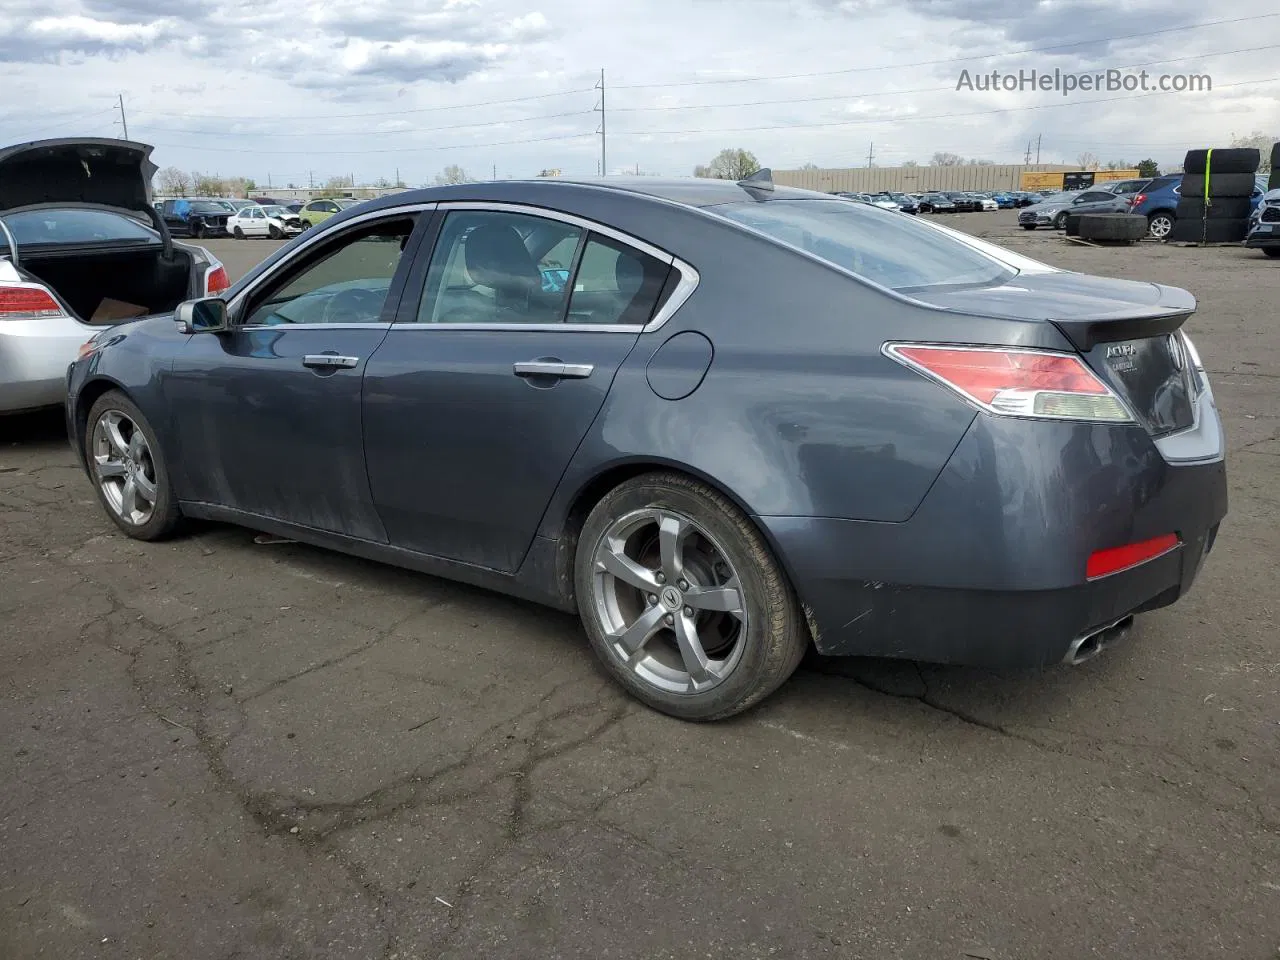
[291, 90]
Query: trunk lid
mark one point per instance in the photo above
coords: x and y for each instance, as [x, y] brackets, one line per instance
[80, 171]
[1126, 331]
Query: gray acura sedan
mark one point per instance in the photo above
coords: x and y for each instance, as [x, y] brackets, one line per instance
[720, 421]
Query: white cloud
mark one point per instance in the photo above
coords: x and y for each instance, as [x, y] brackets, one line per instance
[289, 88]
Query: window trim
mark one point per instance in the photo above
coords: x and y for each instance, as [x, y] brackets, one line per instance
[685, 287]
[306, 244]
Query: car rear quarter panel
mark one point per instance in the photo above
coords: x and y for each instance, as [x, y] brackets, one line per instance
[800, 414]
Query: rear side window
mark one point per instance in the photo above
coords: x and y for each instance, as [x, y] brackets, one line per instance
[615, 284]
[881, 246]
[35, 227]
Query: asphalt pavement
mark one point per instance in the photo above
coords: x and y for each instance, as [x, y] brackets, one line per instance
[220, 748]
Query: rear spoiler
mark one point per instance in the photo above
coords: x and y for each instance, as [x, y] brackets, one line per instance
[1087, 334]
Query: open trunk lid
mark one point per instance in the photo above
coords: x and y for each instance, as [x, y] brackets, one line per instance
[80, 171]
[1126, 331]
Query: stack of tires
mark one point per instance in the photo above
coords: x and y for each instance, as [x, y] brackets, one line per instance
[1214, 200]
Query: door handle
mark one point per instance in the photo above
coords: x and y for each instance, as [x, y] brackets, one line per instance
[329, 360]
[553, 368]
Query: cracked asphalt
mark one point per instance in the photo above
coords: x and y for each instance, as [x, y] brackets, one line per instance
[216, 748]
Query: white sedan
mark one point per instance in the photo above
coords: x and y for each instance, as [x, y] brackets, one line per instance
[989, 204]
[269, 221]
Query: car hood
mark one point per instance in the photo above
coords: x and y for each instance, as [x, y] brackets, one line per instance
[98, 172]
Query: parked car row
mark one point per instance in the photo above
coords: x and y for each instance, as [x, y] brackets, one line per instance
[1155, 198]
[942, 202]
[201, 217]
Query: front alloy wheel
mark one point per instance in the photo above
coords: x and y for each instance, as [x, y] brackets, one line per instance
[128, 469]
[125, 470]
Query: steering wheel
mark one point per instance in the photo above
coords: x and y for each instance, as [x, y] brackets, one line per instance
[352, 306]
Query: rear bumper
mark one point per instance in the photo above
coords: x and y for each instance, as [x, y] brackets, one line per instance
[34, 356]
[990, 570]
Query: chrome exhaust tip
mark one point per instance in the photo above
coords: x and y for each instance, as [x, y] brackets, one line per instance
[1089, 645]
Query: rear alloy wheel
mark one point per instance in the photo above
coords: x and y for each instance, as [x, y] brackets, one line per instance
[128, 470]
[238, 233]
[683, 601]
[1160, 224]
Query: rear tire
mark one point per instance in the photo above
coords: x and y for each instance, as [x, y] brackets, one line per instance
[1271, 251]
[683, 601]
[1160, 224]
[130, 475]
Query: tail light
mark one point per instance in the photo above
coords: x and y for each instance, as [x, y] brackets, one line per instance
[1016, 382]
[27, 301]
[216, 280]
[1199, 376]
[1103, 563]
[1138, 198]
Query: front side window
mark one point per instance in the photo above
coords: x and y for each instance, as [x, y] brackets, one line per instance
[893, 251]
[346, 282]
[490, 267]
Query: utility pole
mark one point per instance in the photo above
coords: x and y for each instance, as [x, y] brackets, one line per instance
[604, 166]
[397, 183]
[871, 153]
[123, 121]
[311, 178]
[1027, 159]
[1038, 138]
[495, 171]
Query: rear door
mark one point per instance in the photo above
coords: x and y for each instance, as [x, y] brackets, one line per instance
[504, 349]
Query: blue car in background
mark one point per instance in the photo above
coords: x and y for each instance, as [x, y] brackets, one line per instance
[1005, 201]
[1159, 203]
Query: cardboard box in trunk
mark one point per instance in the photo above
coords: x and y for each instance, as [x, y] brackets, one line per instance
[115, 311]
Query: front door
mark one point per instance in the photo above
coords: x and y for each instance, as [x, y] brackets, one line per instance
[267, 415]
[501, 357]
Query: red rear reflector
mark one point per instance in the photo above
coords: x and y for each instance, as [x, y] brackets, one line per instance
[27, 301]
[217, 281]
[1104, 562]
[1137, 199]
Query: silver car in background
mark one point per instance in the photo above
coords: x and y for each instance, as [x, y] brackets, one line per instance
[81, 248]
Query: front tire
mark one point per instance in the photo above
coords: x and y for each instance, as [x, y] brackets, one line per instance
[1271, 251]
[683, 601]
[1060, 221]
[128, 469]
[238, 233]
[274, 232]
[1028, 226]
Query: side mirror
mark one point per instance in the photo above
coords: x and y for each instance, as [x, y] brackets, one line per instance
[208, 315]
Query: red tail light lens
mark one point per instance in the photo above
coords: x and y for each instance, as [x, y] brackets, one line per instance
[27, 302]
[216, 280]
[1016, 383]
[1103, 563]
[1137, 199]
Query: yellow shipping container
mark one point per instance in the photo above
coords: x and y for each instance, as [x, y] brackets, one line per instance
[1055, 181]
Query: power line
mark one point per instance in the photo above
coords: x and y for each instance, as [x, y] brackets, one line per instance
[187, 115]
[361, 133]
[344, 153]
[929, 63]
[909, 118]
[898, 93]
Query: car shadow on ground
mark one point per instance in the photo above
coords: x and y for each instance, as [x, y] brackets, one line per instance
[43, 428]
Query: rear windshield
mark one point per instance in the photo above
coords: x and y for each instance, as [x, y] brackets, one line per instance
[879, 245]
[33, 227]
[204, 206]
